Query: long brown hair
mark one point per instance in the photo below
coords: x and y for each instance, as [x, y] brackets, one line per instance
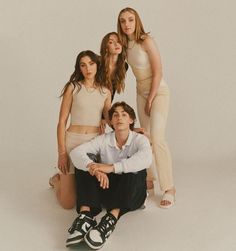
[77, 75]
[118, 75]
[139, 33]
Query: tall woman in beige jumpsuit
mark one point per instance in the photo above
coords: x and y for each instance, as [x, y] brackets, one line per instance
[152, 95]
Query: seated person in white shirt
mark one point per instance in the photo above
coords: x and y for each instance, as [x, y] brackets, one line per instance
[118, 183]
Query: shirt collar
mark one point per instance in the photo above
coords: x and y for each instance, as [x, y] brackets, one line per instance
[113, 140]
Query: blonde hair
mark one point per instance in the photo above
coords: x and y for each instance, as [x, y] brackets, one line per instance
[139, 32]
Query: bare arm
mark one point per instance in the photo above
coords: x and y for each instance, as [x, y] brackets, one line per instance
[61, 128]
[155, 60]
[107, 106]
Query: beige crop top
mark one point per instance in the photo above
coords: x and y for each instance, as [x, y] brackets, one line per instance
[87, 106]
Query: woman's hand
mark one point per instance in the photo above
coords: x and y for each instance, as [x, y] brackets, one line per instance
[63, 163]
[140, 130]
[148, 107]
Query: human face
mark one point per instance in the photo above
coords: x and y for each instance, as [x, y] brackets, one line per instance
[127, 23]
[114, 46]
[121, 120]
[88, 67]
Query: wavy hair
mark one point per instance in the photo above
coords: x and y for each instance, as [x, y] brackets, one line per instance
[77, 75]
[117, 78]
[139, 32]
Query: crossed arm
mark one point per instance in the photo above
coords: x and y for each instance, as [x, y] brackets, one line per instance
[100, 171]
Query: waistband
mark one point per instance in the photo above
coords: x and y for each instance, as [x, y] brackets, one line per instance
[81, 129]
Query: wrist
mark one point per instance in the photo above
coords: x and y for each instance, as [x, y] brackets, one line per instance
[149, 99]
[61, 153]
[112, 168]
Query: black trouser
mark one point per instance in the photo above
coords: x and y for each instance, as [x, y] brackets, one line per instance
[126, 191]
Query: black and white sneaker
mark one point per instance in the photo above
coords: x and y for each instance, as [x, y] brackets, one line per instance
[81, 225]
[98, 235]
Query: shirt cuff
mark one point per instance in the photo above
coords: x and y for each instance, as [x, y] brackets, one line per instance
[118, 167]
[86, 163]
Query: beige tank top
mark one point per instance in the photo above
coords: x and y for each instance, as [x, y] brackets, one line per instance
[87, 106]
[139, 61]
[137, 56]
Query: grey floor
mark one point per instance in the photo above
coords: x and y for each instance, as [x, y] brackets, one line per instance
[204, 217]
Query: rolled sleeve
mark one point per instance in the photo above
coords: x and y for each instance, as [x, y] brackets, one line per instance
[140, 160]
[118, 167]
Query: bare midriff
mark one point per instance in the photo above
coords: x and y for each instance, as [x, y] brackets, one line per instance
[83, 129]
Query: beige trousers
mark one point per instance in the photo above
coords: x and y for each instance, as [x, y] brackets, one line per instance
[73, 140]
[155, 126]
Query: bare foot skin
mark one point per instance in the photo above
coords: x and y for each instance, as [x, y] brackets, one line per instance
[168, 198]
[55, 178]
[150, 184]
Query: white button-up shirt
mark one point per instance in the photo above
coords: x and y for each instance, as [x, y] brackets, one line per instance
[134, 156]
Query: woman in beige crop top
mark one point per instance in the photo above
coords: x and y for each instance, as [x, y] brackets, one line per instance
[84, 99]
[152, 96]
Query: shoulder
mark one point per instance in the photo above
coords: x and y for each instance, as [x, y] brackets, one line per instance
[148, 43]
[105, 91]
[69, 90]
[140, 138]
[103, 138]
[75, 87]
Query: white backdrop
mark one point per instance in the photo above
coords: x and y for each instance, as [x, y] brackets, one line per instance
[39, 41]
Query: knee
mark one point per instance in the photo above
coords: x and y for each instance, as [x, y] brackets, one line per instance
[68, 204]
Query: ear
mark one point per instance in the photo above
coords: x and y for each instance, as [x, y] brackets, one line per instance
[131, 121]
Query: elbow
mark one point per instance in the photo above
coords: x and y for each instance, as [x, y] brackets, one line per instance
[158, 75]
[61, 123]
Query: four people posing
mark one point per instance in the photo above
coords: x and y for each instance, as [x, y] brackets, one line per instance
[119, 182]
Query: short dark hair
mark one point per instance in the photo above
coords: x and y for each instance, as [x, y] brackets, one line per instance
[127, 109]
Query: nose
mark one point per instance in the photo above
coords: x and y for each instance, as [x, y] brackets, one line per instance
[88, 67]
[119, 117]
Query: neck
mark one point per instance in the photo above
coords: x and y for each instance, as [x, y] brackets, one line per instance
[121, 137]
[131, 37]
[113, 59]
[89, 82]
[112, 63]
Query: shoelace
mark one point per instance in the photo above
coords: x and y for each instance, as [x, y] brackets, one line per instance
[105, 225]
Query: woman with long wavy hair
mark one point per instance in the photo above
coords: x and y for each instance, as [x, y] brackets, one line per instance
[113, 65]
[84, 99]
